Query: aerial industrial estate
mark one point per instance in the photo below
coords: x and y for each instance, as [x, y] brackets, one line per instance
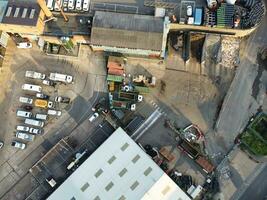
[123, 99]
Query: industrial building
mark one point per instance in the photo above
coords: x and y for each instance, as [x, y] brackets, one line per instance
[119, 169]
[24, 17]
[127, 33]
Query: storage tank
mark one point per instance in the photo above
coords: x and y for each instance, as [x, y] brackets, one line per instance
[232, 2]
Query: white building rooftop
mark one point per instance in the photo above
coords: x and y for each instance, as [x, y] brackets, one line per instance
[119, 170]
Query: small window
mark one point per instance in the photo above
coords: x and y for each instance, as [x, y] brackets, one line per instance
[122, 172]
[125, 146]
[97, 198]
[122, 197]
[109, 186]
[147, 171]
[166, 190]
[84, 187]
[134, 185]
[111, 160]
[136, 158]
[98, 173]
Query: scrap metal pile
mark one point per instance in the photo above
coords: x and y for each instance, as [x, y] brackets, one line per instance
[229, 57]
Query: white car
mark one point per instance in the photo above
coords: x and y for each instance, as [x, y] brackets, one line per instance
[54, 112]
[1, 144]
[19, 145]
[189, 11]
[30, 87]
[25, 100]
[24, 45]
[93, 117]
[25, 136]
[50, 104]
[36, 131]
[49, 83]
[23, 128]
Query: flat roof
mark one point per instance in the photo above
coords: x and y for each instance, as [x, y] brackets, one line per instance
[119, 169]
[77, 25]
[24, 13]
[127, 30]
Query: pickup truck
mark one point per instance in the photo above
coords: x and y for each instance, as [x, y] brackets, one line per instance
[34, 75]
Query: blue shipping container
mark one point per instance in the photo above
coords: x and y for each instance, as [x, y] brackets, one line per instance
[198, 16]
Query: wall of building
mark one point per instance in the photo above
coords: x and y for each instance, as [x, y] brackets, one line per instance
[140, 52]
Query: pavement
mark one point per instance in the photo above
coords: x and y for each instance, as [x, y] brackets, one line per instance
[245, 95]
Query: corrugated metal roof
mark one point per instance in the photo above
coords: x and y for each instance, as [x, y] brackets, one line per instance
[127, 31]
[127, 172]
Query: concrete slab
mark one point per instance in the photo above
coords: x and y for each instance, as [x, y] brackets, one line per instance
[243, 164]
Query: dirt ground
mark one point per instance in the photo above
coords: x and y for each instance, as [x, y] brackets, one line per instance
[194, 96]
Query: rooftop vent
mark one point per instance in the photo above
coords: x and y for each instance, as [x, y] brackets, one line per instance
[8, 12]
[32, 13]
[24, 13]
[16, 12]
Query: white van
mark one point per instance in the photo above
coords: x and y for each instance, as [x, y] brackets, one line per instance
[30, 87]
[86, 5]
[71, 5]
[41, 116]
[26, 100]
[34, 122]
[54, 112]
[79, 5]
[50, 4]
[21, 113]
[57, 4]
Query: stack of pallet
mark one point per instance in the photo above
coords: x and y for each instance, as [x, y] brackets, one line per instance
[115, 68]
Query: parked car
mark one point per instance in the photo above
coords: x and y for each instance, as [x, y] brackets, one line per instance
[23, 128]
[36, 131]
[22, 113]
[50, 104]
[25, 136]
[189, 10]
[24, 45]
[42, 96]
[54, 112]
[25, 100]
[61, 99]
[93, 117]
[28, 107]
[18, 145]
[1, 144]
[30, 87]
[49, 83]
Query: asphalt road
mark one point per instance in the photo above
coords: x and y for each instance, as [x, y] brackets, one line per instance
[241, 102]
[257, 189]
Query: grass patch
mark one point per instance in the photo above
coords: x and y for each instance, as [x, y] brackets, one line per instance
[254, 143]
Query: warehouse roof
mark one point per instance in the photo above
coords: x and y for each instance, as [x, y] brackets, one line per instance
[119, 169]
[21, 13]
[127, 30]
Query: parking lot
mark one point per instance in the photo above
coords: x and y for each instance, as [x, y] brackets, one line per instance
[89, 85]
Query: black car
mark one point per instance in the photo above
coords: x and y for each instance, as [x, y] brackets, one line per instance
[28, 107]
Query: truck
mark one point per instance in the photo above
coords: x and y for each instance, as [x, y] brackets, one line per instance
[198, 16]
[41, 103]
[34, 75]
[61, 77]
